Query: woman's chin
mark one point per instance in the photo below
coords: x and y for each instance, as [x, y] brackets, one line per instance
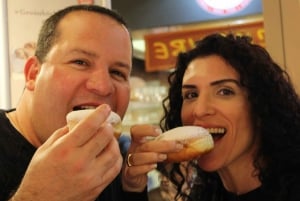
[207, 164]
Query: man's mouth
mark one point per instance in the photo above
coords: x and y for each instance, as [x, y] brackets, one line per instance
[83, 107]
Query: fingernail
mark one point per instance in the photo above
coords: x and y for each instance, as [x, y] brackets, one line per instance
[154, 166]
[158, 131]
[162, 157]
[105, 108]
[143, 140]
[149, 138]
[178, 146]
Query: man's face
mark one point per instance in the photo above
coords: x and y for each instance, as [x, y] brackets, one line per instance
[87, 66]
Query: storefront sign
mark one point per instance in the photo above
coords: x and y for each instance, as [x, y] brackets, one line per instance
[163, 48]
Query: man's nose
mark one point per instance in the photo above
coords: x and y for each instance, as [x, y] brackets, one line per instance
[101, 83]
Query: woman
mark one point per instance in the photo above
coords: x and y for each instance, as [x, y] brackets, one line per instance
[248, 103]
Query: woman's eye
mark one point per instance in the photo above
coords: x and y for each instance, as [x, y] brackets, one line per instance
[189, 95]
[226, 92]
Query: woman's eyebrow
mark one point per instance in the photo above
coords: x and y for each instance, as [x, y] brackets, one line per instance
[224, 81]
[217, 82]
[188, 86]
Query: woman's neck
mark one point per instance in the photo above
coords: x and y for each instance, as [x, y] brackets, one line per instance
[240, 177]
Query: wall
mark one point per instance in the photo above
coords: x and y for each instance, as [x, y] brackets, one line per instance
[4, 63]
[282, 33]
[23, 21]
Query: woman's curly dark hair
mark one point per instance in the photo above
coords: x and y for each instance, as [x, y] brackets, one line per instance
[275, 108]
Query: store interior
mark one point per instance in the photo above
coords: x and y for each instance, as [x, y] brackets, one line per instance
[150, 18]
[272, 23]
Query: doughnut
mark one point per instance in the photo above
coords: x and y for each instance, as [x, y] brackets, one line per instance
[196, 141]
[77, 115]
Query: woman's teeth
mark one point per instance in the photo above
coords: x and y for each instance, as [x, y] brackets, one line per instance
[216, 130]
[217, 133]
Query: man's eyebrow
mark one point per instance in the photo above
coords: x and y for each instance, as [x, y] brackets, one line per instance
[123, 64]
[92, 54]
[82, 51]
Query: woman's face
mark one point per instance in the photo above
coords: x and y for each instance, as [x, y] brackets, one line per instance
[214, 99]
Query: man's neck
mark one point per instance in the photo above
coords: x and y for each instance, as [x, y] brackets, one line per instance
[21, 125]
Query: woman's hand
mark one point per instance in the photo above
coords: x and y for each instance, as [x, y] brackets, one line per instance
[143, 156]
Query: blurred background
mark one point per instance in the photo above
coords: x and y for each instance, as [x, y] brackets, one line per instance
[160, 30]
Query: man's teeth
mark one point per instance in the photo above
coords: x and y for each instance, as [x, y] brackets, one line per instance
[216, 130]
[88, 107]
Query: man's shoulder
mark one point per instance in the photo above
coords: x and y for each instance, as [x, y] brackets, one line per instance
[4, 121]
[7, 131]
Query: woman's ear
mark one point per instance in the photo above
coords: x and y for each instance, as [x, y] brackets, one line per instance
[32, 68]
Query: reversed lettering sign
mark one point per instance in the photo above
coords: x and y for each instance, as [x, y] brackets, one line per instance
[163, 48]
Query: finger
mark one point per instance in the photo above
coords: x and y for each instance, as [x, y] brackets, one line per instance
[99, 141]
[136, 159]
[110, 159]
[109, 155]
[106, 167]
[160, 146]
[140, 133]
[86, 128]
[55, 136]
[139, 171]
[108, 175]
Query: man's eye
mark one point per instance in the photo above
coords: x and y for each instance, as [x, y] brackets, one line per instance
[119, 74]
[80, 62]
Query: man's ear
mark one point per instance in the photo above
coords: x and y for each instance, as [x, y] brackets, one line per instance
[31, 71]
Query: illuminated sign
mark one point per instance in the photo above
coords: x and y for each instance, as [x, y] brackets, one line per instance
[163, 48]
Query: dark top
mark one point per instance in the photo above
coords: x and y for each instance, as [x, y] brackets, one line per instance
[290, 193]
[15, 155]
[156, 195]
[256, 195]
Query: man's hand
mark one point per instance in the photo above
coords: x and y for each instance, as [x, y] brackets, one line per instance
[73, 165]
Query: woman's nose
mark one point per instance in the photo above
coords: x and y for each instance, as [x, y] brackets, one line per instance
[204, 106]
[101, 83]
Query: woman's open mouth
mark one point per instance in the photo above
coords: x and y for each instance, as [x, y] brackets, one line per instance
[217, 133]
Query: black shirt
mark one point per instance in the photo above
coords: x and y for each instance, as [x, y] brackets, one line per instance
[254, 195]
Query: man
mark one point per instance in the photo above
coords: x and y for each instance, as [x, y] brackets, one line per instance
[83, 60]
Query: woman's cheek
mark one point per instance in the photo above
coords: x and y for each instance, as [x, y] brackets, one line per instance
[186, 115]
